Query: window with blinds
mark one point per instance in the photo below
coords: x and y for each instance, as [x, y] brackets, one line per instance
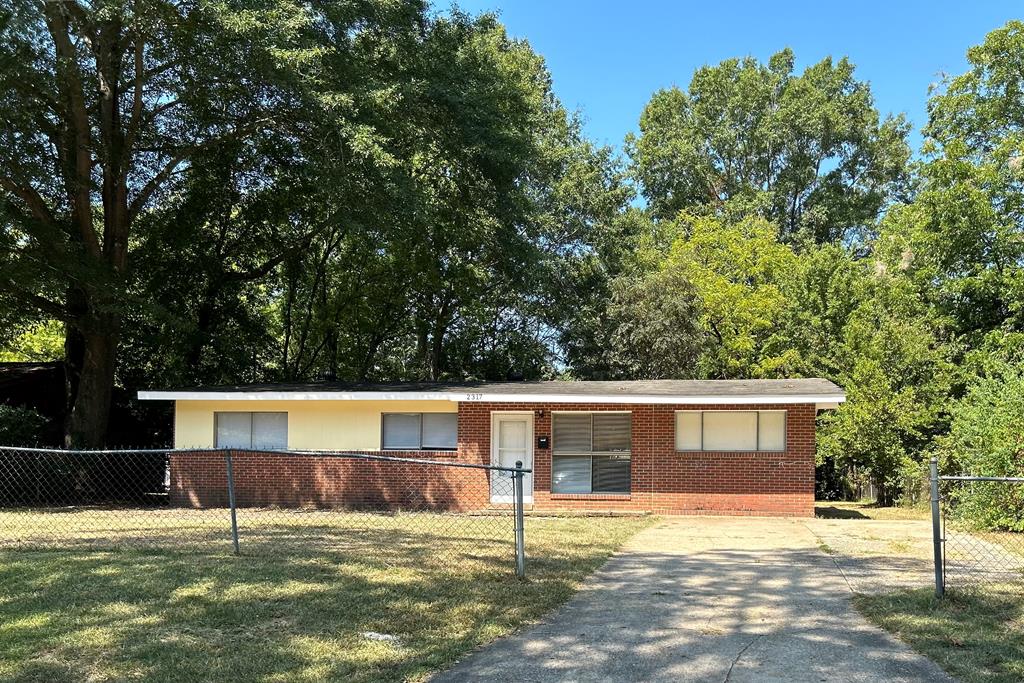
[251, 430]
[731, 430]
[591, 452]
[419, 431]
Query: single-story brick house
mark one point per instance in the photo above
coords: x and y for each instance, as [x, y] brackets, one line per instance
[664, 446]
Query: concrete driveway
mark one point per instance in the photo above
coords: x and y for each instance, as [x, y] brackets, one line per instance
[707, 599]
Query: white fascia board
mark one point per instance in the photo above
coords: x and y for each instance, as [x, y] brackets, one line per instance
[824, 400]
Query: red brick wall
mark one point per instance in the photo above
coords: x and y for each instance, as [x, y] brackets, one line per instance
[667, 482]
[274, 479]
[662, 480]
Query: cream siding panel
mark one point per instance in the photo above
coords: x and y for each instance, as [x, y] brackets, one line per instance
[312, 425]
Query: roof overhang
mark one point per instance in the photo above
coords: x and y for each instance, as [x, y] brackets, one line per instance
[822, 401]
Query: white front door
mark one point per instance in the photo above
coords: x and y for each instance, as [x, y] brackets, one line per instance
[511, 442]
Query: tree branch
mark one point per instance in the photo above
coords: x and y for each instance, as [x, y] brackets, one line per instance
[36, 204]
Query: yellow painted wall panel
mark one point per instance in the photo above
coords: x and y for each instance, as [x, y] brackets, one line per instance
[334, 425]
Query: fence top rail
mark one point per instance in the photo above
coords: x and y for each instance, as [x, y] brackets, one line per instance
[267, 451]
[960, 477]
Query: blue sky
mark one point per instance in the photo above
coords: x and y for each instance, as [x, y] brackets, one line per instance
[607, 58]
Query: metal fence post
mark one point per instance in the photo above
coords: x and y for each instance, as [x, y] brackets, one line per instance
[231, 499]
[517, 487]
[933, 476]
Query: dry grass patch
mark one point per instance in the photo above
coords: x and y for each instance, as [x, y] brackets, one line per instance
[339, 600]
[977, 636]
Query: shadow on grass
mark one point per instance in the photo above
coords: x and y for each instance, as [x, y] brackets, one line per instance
[296, 605]
[977, 636]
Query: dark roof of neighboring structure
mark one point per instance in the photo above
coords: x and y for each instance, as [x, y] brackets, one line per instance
[608, 390]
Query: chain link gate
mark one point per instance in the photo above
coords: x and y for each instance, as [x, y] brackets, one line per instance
[971, 550]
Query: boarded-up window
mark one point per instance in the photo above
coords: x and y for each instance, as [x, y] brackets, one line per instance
[591, 452]
[267, 431]
[731, 430]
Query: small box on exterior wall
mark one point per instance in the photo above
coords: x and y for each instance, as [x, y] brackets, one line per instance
[543, 443]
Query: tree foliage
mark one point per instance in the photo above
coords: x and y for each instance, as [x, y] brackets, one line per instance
[376, 191]
[807, 151]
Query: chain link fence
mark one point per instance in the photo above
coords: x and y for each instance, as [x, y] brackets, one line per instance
[260, 502]
[977, 531]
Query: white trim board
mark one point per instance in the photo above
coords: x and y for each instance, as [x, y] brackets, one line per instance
[823, 401]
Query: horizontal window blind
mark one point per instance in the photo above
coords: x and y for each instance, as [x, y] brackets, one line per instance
[440, 430]
[401, 431]
[570, 474]
[731, 430]
[610, 474]
[571, 432]
[612, 431]
[251, 430]
[419, 431]
[590, 452]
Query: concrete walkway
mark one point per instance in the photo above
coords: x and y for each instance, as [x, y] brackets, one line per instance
[706, 599]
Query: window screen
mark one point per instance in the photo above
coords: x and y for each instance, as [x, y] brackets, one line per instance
[252, 430]
[419, 431]
[270, 430]
[731, 430]
[234, 430]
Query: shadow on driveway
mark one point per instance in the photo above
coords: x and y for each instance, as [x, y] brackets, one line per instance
[707, 599]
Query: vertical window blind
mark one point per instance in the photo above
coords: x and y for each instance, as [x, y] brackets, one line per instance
[591, 452]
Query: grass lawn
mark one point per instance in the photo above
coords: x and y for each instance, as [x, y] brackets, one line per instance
[831, 509]
[295, 606]
[977, 637]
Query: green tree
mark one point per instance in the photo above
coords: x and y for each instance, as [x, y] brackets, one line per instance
[891, 357]
[962, 238]
[807, 152]
[985, 439]
[106, 107]
[656, 326]
[38, 343]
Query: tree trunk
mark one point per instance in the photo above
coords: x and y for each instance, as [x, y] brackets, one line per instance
[90, 406]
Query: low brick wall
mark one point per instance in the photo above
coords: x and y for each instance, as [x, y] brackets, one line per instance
[284, 480]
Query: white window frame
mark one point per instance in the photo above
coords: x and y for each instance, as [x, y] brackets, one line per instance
[591, 453]
[757, 432]
[420, 440]
[251, 414]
